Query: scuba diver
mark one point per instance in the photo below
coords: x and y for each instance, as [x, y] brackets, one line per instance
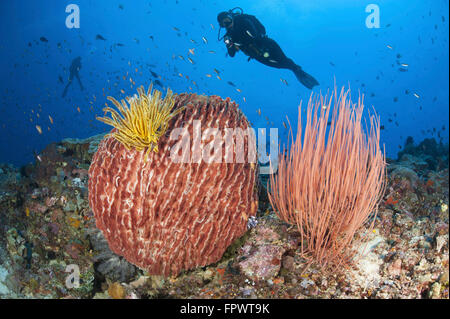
[245, 33]
[74, 69]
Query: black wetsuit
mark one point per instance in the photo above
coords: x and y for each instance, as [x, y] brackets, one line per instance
[74, 72]
[249, 35]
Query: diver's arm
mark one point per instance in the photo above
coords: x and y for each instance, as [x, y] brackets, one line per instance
[231, 47]
[231, 50]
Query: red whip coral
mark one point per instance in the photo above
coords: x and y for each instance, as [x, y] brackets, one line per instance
[162, 215]
[330, 182]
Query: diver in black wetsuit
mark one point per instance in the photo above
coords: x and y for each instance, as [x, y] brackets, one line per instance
[74, 69]
[245, 33]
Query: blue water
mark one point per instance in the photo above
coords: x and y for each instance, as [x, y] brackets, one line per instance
[328, 38]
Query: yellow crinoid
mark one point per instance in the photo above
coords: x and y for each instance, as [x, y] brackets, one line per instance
[146, 119]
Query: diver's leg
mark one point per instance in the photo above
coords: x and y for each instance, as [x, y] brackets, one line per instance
[273, 56]
[306, 79]
[79, 81]
[67, 87]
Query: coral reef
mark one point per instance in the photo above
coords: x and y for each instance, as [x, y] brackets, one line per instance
[406, 256]
[167, 216]
[428, 153]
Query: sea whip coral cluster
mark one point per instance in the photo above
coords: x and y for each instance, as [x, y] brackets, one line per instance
[332, 180]
[161, 215]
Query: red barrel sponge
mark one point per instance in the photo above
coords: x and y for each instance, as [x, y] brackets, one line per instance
[167, 190]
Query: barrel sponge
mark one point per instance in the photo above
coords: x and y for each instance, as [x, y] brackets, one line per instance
[162, 215]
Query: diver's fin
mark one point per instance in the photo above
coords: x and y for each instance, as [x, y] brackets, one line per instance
[304, 78]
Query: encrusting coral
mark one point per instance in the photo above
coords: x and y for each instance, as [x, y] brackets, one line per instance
[163, 215]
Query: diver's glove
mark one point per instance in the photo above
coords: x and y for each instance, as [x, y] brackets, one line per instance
[228, 41]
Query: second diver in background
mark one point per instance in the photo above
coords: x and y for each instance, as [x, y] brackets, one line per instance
[245, 33]
[74, 72]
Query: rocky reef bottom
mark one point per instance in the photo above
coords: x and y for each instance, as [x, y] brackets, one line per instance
[50, 247]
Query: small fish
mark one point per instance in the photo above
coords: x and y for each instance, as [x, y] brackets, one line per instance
[217, 71]
[51, 119]
[99, 37]
[205, 40]
[248, 32]
[284, 124]
[151, 38]
[154, 74]
[218, 77]
[121, 6]
[244, 99]
[190, 60]
[416, 95]
[404, 65]
[120, 44]
[238, 90]
[332, 64]
[212, 26]
[43, 39]
[180, 75]
[212, 51]
[181, 57]
[208, 75]
[191, 51]
[193, 41]
[39, 129]
[259, 111]
[231, 83]
[60, 79]
[389, 47]
[175, 29]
